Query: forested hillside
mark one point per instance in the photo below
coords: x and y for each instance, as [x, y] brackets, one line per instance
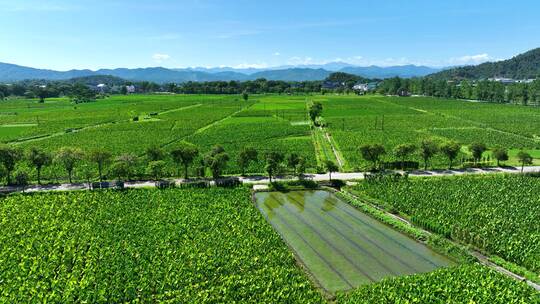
[523, 66]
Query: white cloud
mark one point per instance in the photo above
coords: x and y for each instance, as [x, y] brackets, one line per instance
[160, 57]
[277, 54]
[470, 59]
[296, 60]
[261, 65]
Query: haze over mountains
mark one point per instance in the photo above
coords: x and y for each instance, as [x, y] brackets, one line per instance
[11, 73]
[523, 66]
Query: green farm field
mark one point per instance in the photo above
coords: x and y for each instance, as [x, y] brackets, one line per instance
[192, 245]
[497, 214]
[354, 121]
[131, 124]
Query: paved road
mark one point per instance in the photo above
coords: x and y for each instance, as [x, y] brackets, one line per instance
[265, 180]
[360, 175]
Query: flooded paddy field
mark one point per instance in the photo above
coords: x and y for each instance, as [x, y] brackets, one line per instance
[340, 246]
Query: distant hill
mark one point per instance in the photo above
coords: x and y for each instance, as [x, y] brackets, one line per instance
[293, 74]
[404, 71]
[524, 66]
[12, 73]
[98, 79]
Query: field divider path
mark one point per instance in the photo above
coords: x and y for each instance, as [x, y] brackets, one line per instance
[180, 109]
[472, 122]
[206, 127]
[337, 154]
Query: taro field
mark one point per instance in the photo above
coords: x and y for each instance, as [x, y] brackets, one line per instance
[214, 246]
[131, 124]
[197, 246]
[354, 121]
[497, 214]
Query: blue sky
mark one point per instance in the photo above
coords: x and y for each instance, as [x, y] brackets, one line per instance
[240, 33]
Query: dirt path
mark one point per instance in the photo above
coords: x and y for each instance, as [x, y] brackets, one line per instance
[337, 154]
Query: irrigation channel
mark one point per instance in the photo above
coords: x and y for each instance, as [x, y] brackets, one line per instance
[340, 246]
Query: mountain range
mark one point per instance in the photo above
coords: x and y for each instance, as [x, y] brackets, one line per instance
[12, 73]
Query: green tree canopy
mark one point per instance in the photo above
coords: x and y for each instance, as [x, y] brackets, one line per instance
[451, 150]
[184, 155]
[38, 158]
[9, 157]
[330, 167]
[154, 153]
[428, 149]
[156, 169]
[500, 154]
[245, 157]
[525, 159]
[273, 163]
[403, 151]
[216, 160]
[477, 149]
[101, 158]
[372, 153]
[315, 110]
[68, 158]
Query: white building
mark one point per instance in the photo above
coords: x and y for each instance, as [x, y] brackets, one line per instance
[102, 87]
[361, 87]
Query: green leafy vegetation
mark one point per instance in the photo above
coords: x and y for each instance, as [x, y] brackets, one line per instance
[200, 245]
[354, 122]
[498, 214]
[460, 284]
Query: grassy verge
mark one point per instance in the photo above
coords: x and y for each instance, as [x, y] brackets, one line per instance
[519, 270]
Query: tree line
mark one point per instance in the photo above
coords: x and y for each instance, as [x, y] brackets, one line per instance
[429, 148]
[85, 88]
[100, 164]
[77, 92]
[484, 90]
